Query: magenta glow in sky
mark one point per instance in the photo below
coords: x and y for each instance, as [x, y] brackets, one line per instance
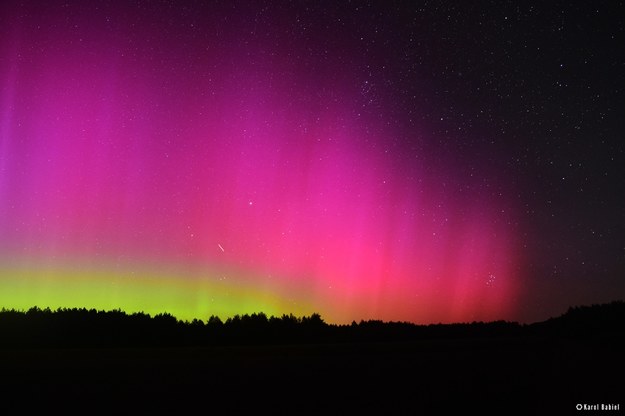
[137, 139]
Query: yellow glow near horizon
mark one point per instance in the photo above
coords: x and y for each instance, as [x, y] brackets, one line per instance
[184, 294]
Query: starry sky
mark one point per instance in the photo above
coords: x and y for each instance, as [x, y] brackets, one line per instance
[414, 161]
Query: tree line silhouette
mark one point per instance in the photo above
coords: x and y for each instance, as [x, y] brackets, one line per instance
[81, 327]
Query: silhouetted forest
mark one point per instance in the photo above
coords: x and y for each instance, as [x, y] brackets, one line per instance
[80, 327]
[80, 361]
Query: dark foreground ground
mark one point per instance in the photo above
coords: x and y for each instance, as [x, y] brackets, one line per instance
[528, 375]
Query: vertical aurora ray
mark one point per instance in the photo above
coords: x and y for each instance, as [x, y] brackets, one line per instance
[119, 160]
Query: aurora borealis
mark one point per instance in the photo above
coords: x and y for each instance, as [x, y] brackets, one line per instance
[235, 157]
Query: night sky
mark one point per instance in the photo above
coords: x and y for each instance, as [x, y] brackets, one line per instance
[414, 161]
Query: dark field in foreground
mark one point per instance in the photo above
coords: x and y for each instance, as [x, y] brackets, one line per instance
[529, 375]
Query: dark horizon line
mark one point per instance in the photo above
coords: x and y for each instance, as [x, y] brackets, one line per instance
[314, 316]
